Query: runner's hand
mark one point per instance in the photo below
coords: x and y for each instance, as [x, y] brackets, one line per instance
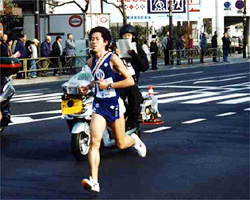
[102, 84]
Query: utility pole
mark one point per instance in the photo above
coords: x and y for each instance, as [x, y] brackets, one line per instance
[171, 23]
[37, 21]
[244, 28]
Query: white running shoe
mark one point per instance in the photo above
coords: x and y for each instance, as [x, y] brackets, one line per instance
[139, 145]
[90, 185]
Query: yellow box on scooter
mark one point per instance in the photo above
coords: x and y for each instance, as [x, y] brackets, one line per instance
[71, 106]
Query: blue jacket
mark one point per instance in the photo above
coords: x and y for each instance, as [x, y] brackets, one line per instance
[45, 49]
[21, 48]
[203, 43]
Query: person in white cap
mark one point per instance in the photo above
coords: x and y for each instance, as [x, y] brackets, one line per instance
[34, 55]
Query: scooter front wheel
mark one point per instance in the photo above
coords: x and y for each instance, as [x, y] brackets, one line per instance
[80, 144]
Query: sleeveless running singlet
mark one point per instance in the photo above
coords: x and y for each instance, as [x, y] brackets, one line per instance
[106, 101]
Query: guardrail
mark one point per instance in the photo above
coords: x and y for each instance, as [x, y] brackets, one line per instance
[189, 55]
[46, 65]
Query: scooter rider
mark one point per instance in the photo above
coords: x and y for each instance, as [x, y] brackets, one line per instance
[107, 106]
[137, 63]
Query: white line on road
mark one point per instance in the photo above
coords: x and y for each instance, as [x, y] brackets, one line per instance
[25, 95]
[222, 80]
[39, 96]
[25, 120]
[193, 121]
[226, 114]
[157, 129]
[247, 109]
[40, 99]
[39, 113]
[236, 101]
[181, 74]
[205, 100]
[187, 97]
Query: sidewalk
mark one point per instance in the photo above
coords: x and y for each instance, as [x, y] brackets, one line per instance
[161, 67]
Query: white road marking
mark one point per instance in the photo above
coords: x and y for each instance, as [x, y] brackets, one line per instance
[39, 96]
[236, 101]
[25, 95]
[187, 97]
[226, 114]
[205, 100]
[157, 129]
[207, 78]
[222, 80]
[25, 120]
[40, 99]
[55, 101]
[181, 74]
[193, 121]
[247, 109]
[172, 94]
[39, 113]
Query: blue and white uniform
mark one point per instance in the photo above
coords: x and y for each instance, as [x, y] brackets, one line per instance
[107, 102]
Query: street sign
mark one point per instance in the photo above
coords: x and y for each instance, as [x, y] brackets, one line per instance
[239, 4]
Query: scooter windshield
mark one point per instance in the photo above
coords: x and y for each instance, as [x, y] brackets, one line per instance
[84, 75]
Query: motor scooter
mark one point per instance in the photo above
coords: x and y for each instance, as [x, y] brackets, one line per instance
[8, 67]
[77, 111]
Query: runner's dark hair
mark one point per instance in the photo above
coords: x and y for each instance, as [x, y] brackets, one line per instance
[104, 32]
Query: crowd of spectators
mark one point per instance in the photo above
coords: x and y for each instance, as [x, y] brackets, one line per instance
[34, 49]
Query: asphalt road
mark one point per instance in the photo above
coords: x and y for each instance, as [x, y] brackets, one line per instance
[200, 152]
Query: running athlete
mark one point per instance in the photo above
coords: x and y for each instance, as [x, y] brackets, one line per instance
[107, 106]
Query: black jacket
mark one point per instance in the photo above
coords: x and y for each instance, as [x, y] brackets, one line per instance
[138, 61]
[55, 49]
[214, 41]
[4, 50]
[226, 42]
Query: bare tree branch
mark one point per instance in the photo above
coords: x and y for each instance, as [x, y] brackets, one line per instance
[57, 4]
[121, 8]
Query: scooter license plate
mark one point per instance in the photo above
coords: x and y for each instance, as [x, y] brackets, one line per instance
[71, 106]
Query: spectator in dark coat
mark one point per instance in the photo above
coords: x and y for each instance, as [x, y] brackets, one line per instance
[20, 46]
[45, 52]
[226, 45]
[45, 47]
[4, 46]
[214, 46]
[57, 51]
[203, 46]
[154, 51]
[179, 46]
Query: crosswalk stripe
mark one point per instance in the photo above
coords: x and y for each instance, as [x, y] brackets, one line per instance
[226, 114]
[187, 97]
[172, 94]
[41, 97]
[193, 121]
[25, 95]
[205, 100]
[236, 101]
[157, 129]
[55, 101]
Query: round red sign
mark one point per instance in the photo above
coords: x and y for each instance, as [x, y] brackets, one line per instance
[75, 21]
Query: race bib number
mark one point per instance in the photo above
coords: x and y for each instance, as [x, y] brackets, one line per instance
[105, 93]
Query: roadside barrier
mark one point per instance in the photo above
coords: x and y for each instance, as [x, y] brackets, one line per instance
[46, 65]
[189, 55]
